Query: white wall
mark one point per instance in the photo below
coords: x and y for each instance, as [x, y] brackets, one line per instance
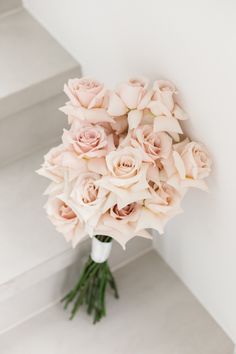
[193, 44]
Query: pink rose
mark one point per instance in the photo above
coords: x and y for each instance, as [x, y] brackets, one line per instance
[60, 163]
[86, 192]
[125, 163]
[154, 145]
[88, 141]
[121, 223]
[85, 92]
[163, 102]
[196, 161]
[129, 213]
[87, 199]
[65, 220]
[163, 204]
[192, 160]
[130, 98]
[164, 92]
[134, 93]
[120, 125]
[192, 163]
[127, 176]
[166, 111]
[164, 198]
[88, 100]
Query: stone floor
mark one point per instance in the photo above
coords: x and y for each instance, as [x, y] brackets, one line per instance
[156, 314]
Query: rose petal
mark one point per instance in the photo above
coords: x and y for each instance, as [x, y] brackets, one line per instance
[175, 136]
[80, 235]
[178, 113]
[130, 95]
[126, 197]
[153, 174]
[110, 202]
[116, 106]
[150, 220]
[97, 165]
[97, 115]
[180, 146]
[54, 189]
[72, 98]
[164, 91]
[159, 109]
[96, 100]
[179, 164]
[145, 100]
[167, 124]
[134, 118]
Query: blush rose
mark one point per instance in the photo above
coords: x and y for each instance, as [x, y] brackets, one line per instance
[85, 92]
[65, 220]
[154, 145]
[88, 141]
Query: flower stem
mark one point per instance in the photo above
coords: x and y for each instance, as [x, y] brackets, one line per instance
[91, 288]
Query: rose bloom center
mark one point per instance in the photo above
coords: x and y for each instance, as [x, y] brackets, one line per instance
[122, 213]
[164, 192]
[90, 192]
[125, 164]
[88, 84]
[137, 83]
[66, 212]
[88, 137]
[153, 144]
[201, 158]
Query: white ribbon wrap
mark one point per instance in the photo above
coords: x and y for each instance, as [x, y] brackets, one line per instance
[100, 250]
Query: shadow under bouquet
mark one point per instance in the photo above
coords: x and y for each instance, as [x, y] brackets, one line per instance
[123, 166]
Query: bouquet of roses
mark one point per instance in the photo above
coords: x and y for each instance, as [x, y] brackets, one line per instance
[122, 167]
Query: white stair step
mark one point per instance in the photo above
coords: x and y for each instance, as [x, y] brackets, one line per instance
[27, 237]
[156, 313]
[31, 251]
[8, 5]
[33, 70]
[32, 64]
[27, 131]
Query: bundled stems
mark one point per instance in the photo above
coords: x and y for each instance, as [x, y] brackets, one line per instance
[91, 287]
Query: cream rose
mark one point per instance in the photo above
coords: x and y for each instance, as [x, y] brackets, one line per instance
[65, 220]
[88, 141]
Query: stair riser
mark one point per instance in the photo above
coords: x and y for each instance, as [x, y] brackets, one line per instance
[19, 302]
[31, 129]
[37, 94]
